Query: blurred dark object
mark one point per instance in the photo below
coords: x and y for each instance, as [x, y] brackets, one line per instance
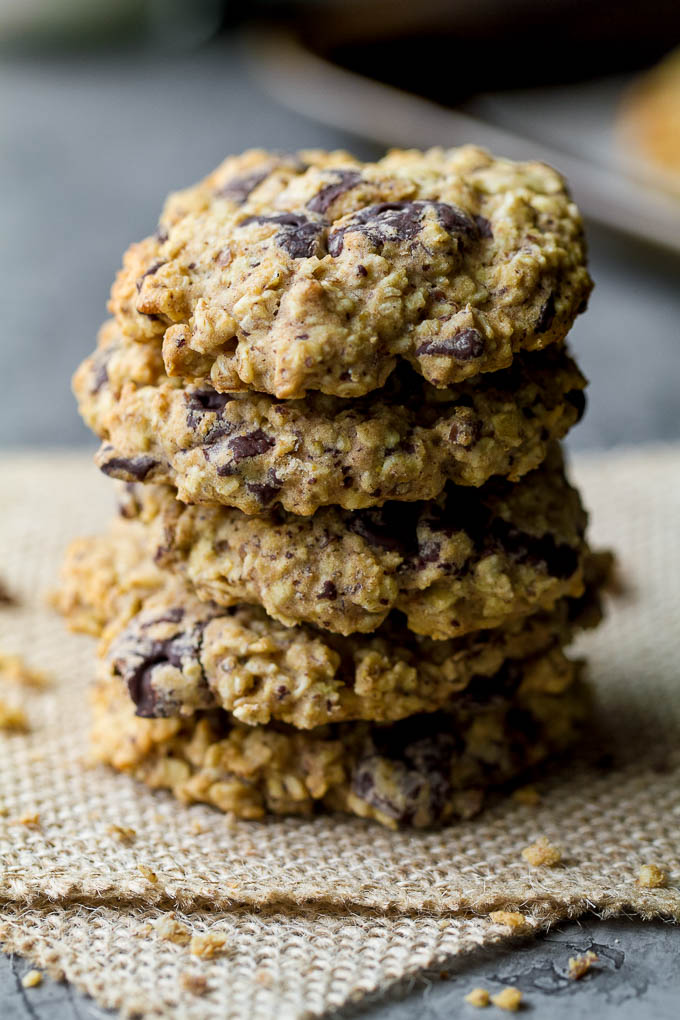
[449, 50]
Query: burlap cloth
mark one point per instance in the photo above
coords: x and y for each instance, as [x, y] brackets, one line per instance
[318, 913]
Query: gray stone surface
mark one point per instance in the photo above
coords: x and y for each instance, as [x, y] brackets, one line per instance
[637, 978]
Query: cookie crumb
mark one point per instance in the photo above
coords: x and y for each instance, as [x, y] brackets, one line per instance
[207, 946]
[511, 918]
[197, 827]
[194, 983]
[13, 719]
[509, 998]
[31, 979]
[170, 929]
[580, 965]
[6, 599]
[14, 669]
[29, 818]
[651, 877]
[148, 874]
[478, 997]
[264, 978]
[528, 795]
[122, 834]
[542, 854]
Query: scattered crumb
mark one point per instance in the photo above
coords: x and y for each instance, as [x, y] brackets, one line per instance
[444, 923]
[122, 834]
[145, 930]
[208, 945]
[3, 811]
[14, 669]
[170, 929]
[13, 719]
[29, 818]
[527, 795]
[478, 997]
[509, 998]
[651, 877]
[512, 918]
[149, 875]
[444, 975]
[197, 827]
[31, 979]
[580, 965]
[264, 978]
[542, 854]
[195, 983]
[5, 598]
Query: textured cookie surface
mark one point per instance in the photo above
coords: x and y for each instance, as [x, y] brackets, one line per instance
[423, 771]
[174, 654]
[471, 559]
[319, 272]
[252, 450]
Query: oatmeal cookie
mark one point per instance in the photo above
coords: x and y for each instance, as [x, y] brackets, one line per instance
[422, 771]
[251, 450]
[175, 654]
[319, 272]
[471, 559]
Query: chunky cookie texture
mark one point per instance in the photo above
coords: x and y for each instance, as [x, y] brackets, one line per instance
[423, 771]
[174, 654]
[253, 451]
[471, 559]
[319, 272]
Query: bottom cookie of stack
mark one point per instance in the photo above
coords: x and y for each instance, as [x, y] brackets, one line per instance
[232, 709]
[422, 771]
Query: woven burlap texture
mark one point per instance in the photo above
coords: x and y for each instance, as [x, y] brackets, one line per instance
[316, 913]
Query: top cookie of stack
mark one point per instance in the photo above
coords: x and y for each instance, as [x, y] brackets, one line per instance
[251, 331]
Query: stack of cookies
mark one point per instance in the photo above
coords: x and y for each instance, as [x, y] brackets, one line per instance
[347, 558]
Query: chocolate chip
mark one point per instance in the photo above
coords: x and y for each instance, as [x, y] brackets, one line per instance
[137, 468]
[204, 400]
[281, 692]
[546, 316]
[402, 221]
[561, 560]
[149, 272]
[328, 591]
[161, 234]
[251, 445]
[136, 656]
[362, 270]
[100, 373]
[347, 179]
[483, 226]
[238, 188]
[577, 399]
[299, 236]
[465, 432]
[265, 492]
[465, 345]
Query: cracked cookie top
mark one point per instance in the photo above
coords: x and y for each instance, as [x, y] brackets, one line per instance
[318, 272]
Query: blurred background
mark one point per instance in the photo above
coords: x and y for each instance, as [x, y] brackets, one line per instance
[105, 107]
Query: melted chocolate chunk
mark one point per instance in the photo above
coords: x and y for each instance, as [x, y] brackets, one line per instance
[328, 591]
[484, 227]
[136, 657]
[207, 400]
[266, 492]
[465, 345]
[251, 445]
[301, 238]
[466, 432]
[127, 468]
[561, 560]
[401, 221]
[100, 371]
[347, 179]
[546, 316]
[238, 188]
[149, 272]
